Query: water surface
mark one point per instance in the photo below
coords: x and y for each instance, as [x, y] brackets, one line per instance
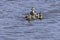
[14, 27]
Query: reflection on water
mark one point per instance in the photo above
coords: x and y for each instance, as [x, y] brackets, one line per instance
[13, 25]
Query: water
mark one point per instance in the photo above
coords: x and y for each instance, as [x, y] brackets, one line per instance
[13, 26]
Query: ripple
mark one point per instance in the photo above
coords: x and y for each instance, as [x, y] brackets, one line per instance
[10, 0]
[55, 11]
[51, 22]
[1, 12]
[8, 28]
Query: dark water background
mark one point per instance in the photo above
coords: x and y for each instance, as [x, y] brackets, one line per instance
[14, 27]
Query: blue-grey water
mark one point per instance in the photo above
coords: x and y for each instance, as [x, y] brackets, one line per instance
[13, 25]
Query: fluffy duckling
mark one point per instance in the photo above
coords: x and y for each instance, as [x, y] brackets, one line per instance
[33, 11]
[30, 17]
[39, 16]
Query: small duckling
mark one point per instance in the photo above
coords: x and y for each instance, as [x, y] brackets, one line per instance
[39, 16]
[33, 11]
[30, 17]
[33, 17]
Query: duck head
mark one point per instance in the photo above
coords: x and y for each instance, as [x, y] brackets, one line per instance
[33, 11]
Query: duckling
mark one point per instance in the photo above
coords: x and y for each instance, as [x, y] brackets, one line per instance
[33, 17]
[30, 17]
[33, 11]
[39, 16]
